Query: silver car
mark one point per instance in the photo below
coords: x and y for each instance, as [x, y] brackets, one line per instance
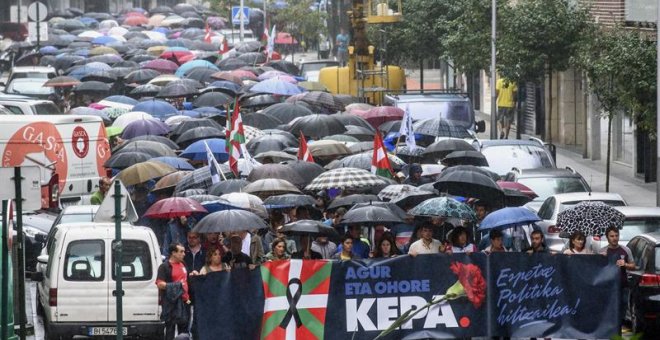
[639, 220]
[555, 204]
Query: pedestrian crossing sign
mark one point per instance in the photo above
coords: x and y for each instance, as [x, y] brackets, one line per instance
[236, 15]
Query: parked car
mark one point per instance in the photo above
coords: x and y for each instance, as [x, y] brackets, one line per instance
[643, 309]
[35, 228]
[76, 294]
[505, 155]
[30, 87]
[555, 204]
[23, 105]
[32, 72]
[639, 220]
[546, 182]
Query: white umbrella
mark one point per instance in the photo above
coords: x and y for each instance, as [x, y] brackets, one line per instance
[130, 117]
[247, 201]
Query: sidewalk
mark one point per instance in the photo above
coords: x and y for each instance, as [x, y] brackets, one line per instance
[633, 190]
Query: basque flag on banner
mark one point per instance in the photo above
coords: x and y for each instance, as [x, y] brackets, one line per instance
[296, 295]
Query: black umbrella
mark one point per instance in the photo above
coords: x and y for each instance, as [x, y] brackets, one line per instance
[495, 177]
[152, 148]
[92, 87]
[439, 127]
[308, 227]
[412, 199]
[361, 161]
[176, 89]
[228, 186]
[287, 112]
[201, 45]
[351, 200]
[472, 157]
[199, 179]
[201, 74]
[212, 99]
[261, 121]
[141, 76]
[284, 66]
[391, 206]
[267, 143]
[191, 192]
[247, 46]
[125, 159]
[146, 90]
[320, 99]
[359, 132]
[161, 10]
[589, 217]
[231, 64]
[258, 100]
[370, 214]
[351, 119]
[289, 200]
[280, 171]
[306, 170]
[515, 198]
[410, 156]
[198, 133]
[253, 58]
[470, 184]
[227, 221]
[442, 148]
[189, 124]
[316, 126]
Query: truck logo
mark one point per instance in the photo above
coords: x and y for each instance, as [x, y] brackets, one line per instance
[80, 142]
[38, 143]
[102, 150]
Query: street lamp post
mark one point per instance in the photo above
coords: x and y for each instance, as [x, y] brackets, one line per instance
[493, 74]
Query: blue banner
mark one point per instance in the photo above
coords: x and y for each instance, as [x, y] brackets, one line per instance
[506, 294]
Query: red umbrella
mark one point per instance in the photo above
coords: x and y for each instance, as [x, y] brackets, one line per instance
[244, 74]
[380, 114]
[285, 39]
[518, 186]
[174, 207]
[136, 20]
[177, 56]
[161, 65]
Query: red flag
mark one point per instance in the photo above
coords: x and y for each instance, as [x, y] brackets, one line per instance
[303, 150]
[380, 163]
[207, 37]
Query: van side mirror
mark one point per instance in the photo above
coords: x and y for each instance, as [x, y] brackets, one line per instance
[43, 259]
[41, 238]
[37, 276]
[480, 126]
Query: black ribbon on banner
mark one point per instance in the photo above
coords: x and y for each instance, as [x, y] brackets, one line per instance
[293, 301]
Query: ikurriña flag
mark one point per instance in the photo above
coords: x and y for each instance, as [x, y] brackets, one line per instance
[380, 164]
[296, 295]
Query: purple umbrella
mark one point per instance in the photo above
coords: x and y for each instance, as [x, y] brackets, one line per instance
[161, 65]
[143, 127]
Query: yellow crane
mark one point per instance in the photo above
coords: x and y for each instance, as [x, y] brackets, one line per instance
[363, 77]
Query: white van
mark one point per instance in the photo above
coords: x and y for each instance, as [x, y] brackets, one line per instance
[69, 149]
[77, 296]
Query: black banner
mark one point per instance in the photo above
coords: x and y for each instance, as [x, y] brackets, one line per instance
[507, 294]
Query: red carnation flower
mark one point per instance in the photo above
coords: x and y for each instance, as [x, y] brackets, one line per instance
[470, 277]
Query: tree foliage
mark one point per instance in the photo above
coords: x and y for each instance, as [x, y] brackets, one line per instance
[299, 20]
[621, 67]
[538, 37]
[467, 26]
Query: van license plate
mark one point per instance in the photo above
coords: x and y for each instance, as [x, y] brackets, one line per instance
[94, 331]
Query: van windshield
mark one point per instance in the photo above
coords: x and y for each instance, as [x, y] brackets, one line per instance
[456, 111]
[47, 109]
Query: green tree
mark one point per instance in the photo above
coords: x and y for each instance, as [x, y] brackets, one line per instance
[538, 38]
[620, 66]
[300, 21]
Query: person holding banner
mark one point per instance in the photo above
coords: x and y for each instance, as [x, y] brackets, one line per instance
[426, 244]
[496, 238]
[213, 261]
[622, 257]
[346, 253]
[386, 247]
[277, 250]
[538, 243]
[459, 242]
[576, 244]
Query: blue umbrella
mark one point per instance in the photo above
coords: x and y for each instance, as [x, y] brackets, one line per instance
[508, 218]
[197, 150]
[206, 111]
[176, 48]
[48, 50]
[189, 113]
[86, 69]
[156, 108]
[181, 71]
[143, 127]
[176, 162]
[89, 22]
[219, 205]
[103, 40]
[225, 84]
[276, 86]
[121, 99]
